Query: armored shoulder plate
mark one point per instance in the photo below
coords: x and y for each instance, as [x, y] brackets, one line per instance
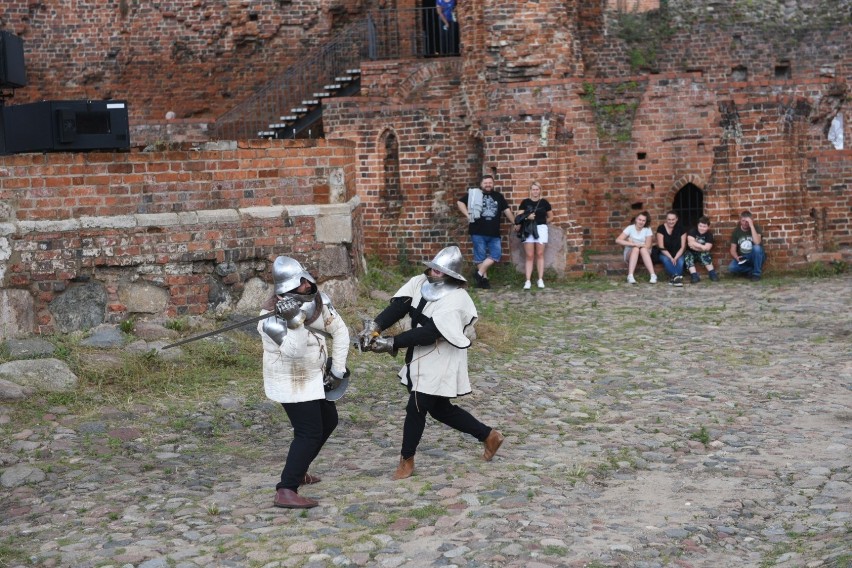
[275, 328]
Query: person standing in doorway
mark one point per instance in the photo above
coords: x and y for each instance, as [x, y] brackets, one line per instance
[537, 210]
[484, 227]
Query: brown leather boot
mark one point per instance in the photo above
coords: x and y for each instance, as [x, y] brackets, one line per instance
[492, 444]
[289, 499]
[405, 468]
[310, 479]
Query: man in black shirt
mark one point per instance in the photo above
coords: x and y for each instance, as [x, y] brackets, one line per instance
[484, 226]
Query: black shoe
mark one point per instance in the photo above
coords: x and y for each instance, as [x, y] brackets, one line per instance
[694, 278]
[755, 278]
[714, 276]
[477, 279]
[484, 283]
[677, 281]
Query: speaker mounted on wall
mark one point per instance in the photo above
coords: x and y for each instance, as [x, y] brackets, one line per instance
[13, 73]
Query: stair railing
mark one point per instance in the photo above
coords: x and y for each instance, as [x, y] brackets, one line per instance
[382, 34]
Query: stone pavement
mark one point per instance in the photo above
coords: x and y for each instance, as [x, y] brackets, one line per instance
[646, 426]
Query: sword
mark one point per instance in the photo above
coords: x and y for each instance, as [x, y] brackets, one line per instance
[222, 329]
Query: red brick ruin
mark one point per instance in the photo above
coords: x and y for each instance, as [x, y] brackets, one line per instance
[614, 106]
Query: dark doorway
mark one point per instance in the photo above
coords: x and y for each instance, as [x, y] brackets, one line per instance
[689, 205]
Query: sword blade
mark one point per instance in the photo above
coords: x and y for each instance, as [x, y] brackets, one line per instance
[221, 330]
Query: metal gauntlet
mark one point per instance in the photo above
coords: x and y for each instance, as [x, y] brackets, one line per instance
[289, 309]
[368, 334]
[383, 345]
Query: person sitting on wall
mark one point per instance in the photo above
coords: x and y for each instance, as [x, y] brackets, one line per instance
[671, 246]
[699, 243]
[747, 248]
[636, 240]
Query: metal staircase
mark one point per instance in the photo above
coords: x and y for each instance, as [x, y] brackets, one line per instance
[290, 105]
[304, 119]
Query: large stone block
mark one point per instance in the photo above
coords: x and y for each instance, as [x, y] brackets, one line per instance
[143, 298]
[255, 292]
[334, 228]
[16, 313]
[554, 252]
[79, 307]
[334, 262]
[50, 375]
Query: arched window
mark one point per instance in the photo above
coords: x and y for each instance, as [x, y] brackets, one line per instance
[390, 193]
[689, 205]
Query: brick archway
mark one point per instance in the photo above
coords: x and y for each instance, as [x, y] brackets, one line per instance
[688, 200]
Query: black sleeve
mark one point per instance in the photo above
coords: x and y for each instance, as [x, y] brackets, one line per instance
[427, 334]
[396, 310]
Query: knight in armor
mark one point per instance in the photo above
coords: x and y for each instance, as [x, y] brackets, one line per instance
[300, 373]
[442, 319]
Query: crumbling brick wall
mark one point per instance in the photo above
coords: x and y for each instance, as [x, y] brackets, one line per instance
[185, 220]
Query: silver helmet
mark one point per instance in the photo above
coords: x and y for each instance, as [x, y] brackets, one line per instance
[448, 261]
[287, 275]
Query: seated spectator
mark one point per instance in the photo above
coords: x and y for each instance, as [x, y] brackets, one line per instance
[671, 246]
[699, 243]
[636, 240]
[747, 248]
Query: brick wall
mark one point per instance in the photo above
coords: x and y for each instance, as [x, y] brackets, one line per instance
[196, 58]
[173, 218]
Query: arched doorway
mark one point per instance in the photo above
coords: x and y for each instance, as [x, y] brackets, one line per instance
[688, 203]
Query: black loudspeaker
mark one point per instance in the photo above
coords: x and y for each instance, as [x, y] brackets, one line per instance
[13, 74]
[52, 126]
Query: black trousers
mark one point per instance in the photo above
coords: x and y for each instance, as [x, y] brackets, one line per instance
[313, 422]
[441, 409]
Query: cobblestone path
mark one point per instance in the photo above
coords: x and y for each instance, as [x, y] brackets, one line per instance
[646, 426]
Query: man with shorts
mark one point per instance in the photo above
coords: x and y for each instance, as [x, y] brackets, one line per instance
[484, 226]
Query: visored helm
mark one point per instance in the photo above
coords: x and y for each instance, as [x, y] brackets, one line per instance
[287, 275]
[448, 261]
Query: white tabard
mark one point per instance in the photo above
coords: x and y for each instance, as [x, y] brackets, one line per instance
[441, 368]
[293, 371]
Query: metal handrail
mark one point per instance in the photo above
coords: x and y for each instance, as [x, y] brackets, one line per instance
[382, 34]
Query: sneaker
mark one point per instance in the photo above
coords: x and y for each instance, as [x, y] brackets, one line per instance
[695, 278]
[484, 283]
[653, 279]
[477, 279]
[540, 283]
[714, 276]
[755, 278]
[630, 279]
[677, 281]
[527, 285]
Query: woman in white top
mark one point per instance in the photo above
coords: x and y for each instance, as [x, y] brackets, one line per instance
[637, 241]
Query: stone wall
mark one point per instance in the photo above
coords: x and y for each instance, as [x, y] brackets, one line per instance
[194, 223]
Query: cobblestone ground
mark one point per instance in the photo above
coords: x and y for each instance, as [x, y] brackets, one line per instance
[645, 426]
